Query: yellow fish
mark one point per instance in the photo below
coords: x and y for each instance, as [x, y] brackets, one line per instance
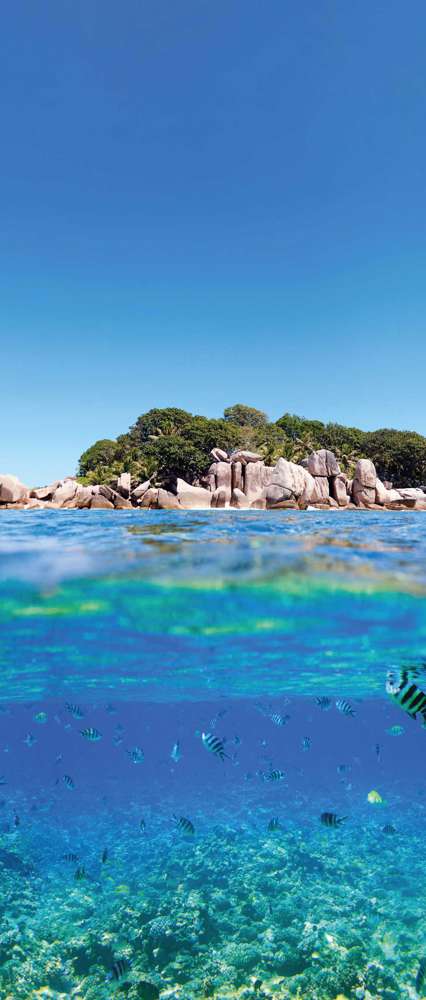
[375, 798]
[122, 888]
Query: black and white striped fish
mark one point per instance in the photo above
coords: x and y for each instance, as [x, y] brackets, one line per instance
[214, 745]
[91, 734]
[184, 824]
[323, 703]
[80, 873]
[136, 755]
[278, 719]
[275, 775]
[68, 781]
[119, 969]
[70, 857]
[388, 828]
[421, 976]
[330, 819]
[401, 688]
[74, 710]
[344, 707]
[306, 743]
[274, 824]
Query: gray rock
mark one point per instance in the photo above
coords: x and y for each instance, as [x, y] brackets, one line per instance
[149, 498]
[323, 463]
[365, 473]
[259, 504]
[245, 457]
[237, 476]
[253, 480]
[219, 455]
[381, 493]
[322, 489]
[124, 484]
[363, 496]
[83, 497]
[294, 478]
[46, 492]
[339, 490]
[167, 500]
[412, 493]
[100, 502]
[120, 503]
[65, 492]
[239, 499]
[193, 497]
[272, 494]
[11, 489]
[223, 475]
[221, 497]
[139, 491]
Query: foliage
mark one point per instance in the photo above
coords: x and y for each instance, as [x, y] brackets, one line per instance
[245, 416]
[168, 443]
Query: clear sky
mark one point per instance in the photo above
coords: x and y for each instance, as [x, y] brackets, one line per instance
[206, 202]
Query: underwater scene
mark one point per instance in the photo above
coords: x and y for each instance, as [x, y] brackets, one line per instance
[212, 755]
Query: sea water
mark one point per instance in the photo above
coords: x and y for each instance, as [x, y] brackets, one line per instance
[137, 862]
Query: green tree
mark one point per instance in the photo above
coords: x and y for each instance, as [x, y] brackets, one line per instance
[245, 416]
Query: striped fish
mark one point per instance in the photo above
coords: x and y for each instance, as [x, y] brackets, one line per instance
[136, 755]
[70, 857]
[274, 775]
[74, 710]
[388, 828]
[401, 688]
[344, 707]
[80, 873]
[68, 781]
[306, 743]
[214, 745]
[274, 824]
[184, 825]
[119, 969]
[323, 703]
[330, 819]
[278, 719]
[91, 734]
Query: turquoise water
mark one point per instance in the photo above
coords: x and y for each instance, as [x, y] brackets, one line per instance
[152, 628]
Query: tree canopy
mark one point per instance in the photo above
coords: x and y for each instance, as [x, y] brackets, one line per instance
[169, 443]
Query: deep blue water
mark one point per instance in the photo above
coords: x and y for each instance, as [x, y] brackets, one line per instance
[159, 627]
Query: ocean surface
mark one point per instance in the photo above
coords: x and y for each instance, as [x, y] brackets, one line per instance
[185, 812]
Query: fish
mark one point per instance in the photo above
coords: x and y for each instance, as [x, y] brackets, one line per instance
[344, 707]
[175, 752]
[421, 976]
[40, 717]
[263, 743]
[323, 703]
[274, 824]
[117, 740]
[377, 750]
[330, 819]
[275, 775]
[375, 798]
[388, 828]
[80, 873]
[74, 710]
[71, 857]
[119, 969]
[142, 826]
[278, 719]
[3, 780]
[343, 768]
[68, 781]
[400, 687]
[184, 825]
[58, 758]
[214, 745]
[30, 740]
[111, 709]
[91, 734]
[136, 755]
[236, 741]
[395, 730]
[16, 820]
[104, 855]
[306, 743]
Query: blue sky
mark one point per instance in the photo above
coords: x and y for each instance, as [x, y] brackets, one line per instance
[205, 203]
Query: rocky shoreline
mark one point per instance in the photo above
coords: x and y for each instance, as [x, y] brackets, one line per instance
[240, 480]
